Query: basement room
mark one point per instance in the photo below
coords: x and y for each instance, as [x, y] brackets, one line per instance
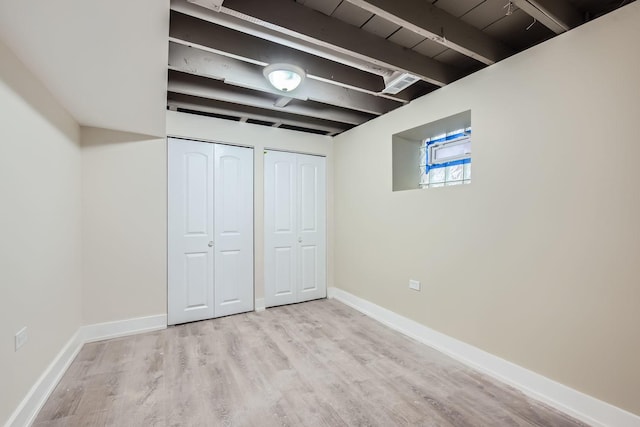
[319, 213]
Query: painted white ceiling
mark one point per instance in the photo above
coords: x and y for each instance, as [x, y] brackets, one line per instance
[105, 61]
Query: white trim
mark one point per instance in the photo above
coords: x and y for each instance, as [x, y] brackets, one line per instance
[26, 413]
[572, 402]
[28, 409]
[260, 305]
[122, 328]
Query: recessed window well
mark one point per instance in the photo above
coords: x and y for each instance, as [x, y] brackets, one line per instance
[435, 154]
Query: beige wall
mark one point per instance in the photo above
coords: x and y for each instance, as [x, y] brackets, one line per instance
[124, 210]
[261, 138]
[537, 261]
[40, 257]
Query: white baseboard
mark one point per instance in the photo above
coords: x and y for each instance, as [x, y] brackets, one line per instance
[26, 412]
[572, 402]
[260, 304]
[122, 328]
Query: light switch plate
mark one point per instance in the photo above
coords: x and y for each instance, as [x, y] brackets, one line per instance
[414, 284]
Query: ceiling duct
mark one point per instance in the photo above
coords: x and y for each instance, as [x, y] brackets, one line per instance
[398, 82]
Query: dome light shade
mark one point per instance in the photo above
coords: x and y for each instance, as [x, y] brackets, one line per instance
[284, 77]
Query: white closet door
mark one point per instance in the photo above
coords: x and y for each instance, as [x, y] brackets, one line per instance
[190, 231]
[311, 228]
[233, 241]
[280, 211]
[295, 228]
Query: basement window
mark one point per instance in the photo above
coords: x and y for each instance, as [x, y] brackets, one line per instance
[445, 159]
[434, 154]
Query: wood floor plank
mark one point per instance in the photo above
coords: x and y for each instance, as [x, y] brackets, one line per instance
[318, 363]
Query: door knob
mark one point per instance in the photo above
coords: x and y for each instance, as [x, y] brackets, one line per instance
[211, 244]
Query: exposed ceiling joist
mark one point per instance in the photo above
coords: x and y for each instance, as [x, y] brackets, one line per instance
[224, 41]
[204, 87]
[207, 13]
[239, 73]
[193, 103]
[557, 15]
[349, 49]
[425, 19]
[297, 20]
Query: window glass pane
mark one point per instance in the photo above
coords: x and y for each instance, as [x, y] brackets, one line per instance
[423, 155]
[424, 177]
[454, 173]
[467, 171]
[436, 175]
[453, 146]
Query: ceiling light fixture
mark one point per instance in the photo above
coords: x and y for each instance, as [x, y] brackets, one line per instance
[284, 77]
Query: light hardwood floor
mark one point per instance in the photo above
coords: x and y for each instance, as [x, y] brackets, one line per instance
[318, 363]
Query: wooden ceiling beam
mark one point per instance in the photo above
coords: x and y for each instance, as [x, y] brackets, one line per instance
[209, 13]
[224, 41]
[429, 21]
[204, 87]
[294, 19]
[193, 103]
[557, 15]
[239, 73]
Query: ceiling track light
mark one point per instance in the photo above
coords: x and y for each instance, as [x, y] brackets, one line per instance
[284, 77]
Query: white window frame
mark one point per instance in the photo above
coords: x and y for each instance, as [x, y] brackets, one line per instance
[439, 145]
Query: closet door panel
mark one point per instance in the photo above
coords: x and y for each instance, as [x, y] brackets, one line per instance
[280, 193]
[295, 230]
[311, 227]
[233, 230]
[284, 268]
[190, 219]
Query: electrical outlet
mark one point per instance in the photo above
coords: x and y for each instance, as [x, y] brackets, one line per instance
[21, 338]
[414, 284]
